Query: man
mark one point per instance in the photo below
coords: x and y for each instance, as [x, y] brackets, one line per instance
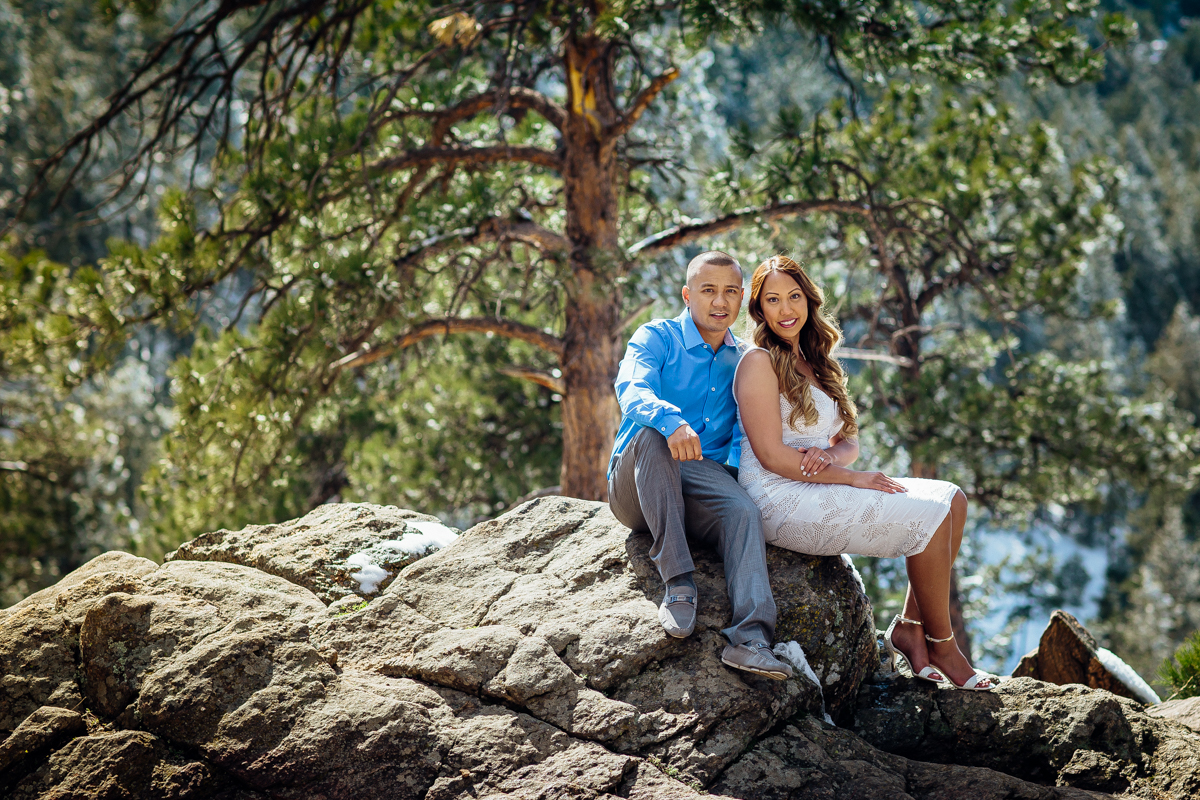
[668, 472]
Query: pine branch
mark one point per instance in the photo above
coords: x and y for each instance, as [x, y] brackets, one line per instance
[855, 354]
[369, 354]
[684, 234]
[490, 230]
[640, 104]
[469, 156]
[538, 376]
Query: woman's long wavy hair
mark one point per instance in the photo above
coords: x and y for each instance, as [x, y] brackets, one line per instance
[818, 337]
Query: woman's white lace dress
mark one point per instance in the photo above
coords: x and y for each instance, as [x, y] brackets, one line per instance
[829, 519]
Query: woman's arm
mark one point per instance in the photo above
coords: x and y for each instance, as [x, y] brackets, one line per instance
[757, 392]
[842, 452]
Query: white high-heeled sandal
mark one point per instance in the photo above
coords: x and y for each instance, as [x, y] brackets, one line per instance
[927, 672]
[972, 683]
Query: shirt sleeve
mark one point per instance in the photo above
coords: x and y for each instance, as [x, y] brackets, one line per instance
[639, 383]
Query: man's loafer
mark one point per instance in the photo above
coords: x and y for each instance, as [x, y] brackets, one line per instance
[677, 612]
[756, 657]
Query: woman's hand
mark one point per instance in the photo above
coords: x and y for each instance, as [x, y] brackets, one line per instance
[813, 460]
[877, 481]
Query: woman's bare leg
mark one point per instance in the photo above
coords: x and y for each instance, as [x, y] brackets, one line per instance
[929, 585]
[931, 562]
[958, 515]
[910, 638]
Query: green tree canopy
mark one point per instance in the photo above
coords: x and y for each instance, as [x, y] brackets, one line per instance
[390, 174]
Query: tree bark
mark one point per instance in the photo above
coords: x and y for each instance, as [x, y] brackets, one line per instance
[590, 339]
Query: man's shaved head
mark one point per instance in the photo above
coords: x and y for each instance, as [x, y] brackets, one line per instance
[716, 257]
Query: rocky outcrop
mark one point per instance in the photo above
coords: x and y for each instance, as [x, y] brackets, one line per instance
[1185, 712]
[1068, 653]
[523, 661]
[1063, 735]
[810, 760]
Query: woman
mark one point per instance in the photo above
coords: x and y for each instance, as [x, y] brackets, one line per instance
[799, 438]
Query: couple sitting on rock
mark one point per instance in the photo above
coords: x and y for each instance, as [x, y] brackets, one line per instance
[687, 387]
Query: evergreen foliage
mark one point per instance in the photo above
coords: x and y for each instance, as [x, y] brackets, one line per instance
[1183, 672]
[397, 247]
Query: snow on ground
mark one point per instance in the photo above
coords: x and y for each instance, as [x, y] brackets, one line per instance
[994, 546]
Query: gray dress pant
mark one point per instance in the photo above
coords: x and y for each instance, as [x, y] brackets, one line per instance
[677, 500]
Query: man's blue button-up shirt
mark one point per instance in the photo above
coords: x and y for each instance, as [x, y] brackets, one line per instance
[670, 376]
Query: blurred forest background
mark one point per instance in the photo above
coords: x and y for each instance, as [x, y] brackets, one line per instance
[148, 394]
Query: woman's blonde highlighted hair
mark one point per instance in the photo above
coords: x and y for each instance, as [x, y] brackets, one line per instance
[818, 337]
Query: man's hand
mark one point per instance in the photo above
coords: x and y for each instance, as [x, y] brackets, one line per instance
[685, 444]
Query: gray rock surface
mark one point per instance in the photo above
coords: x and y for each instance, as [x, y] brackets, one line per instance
[1185, 712]
[313, 551]
[1064, 735]
[810, 760]
[523, 661]
[39, 733]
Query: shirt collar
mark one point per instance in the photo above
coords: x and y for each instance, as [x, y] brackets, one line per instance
[691, 334]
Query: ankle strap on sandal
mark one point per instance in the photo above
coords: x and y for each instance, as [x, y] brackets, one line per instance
[901, 618]
[929, 638]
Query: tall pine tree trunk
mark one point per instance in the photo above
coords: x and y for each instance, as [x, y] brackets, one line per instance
[591, 350]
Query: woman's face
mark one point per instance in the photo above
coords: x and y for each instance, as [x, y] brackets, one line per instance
[784, 305]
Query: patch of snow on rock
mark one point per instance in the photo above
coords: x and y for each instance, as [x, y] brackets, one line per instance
[793, 653]
[849, 562]
[1126, 675]
[430, 536]
[369, 574]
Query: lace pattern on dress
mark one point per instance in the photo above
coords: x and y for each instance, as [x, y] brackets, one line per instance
[829, 519]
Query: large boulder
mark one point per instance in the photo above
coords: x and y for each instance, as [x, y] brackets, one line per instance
[524, 660]
[528, 650]
[810, 760]
[1066, 735]
[1068, 653]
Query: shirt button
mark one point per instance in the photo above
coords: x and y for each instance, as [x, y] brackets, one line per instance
[706, 419]
[714, 388]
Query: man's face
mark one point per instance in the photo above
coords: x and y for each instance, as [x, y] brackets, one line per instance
[714, 296]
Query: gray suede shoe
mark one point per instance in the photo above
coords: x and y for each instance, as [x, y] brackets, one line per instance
[756, 657]
[677, 612]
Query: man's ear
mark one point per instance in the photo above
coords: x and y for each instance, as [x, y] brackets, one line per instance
[685, 297]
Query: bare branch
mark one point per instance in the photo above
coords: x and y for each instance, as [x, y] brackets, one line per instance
[854, 354]
[628, 319]
[515, 97]
[640, 103]
[538, 376]
[369, 354]
[472, 156]
[492, 229]
[683, 234]
[529, 233]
